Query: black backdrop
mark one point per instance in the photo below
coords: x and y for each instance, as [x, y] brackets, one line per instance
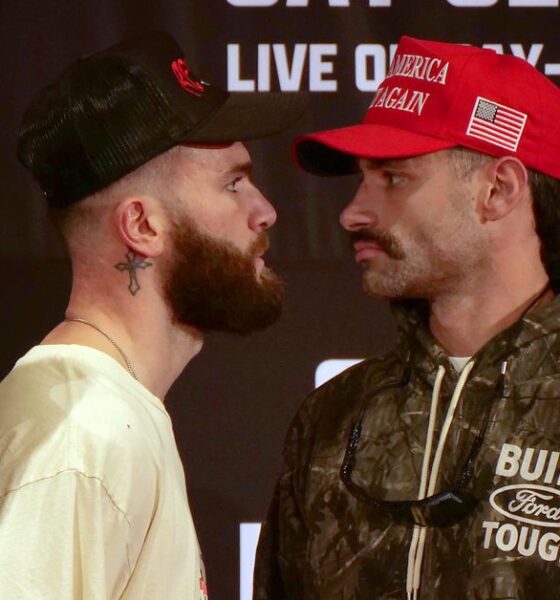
[232, 405]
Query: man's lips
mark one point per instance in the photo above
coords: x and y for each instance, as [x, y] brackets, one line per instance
[258, 249]
[367, 249]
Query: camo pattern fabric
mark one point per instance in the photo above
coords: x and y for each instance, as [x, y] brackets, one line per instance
[320, 542]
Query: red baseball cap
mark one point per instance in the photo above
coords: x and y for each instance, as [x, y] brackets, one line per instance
[438, 95]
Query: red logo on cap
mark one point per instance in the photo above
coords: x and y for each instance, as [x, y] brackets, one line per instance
[182, 73]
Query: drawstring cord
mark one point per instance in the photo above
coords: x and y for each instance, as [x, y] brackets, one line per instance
[424, 479]
[416, 553]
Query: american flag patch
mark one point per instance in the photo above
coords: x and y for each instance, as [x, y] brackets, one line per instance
[496, 124]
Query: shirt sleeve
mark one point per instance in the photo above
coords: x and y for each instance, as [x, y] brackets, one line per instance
[62, 538]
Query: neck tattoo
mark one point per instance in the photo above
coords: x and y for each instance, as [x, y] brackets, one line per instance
[108, 337]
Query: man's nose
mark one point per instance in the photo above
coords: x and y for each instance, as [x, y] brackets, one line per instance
[359, 213]
[263, 214]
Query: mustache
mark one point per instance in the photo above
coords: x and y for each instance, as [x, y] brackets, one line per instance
[260, 245]
[384, 239]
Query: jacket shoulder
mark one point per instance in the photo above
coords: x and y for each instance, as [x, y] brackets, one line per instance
[331, 407]
[366, 377]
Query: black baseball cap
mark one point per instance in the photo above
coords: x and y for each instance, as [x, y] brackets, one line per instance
[113, 111]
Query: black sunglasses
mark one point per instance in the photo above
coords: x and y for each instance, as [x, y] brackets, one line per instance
[443, 509]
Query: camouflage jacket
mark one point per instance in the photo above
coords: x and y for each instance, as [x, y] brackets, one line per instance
[321, 542]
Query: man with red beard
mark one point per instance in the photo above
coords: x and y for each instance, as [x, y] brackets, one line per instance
[143, 170]
[433, 472]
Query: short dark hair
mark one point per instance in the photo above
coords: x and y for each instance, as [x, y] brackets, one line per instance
[545, 191]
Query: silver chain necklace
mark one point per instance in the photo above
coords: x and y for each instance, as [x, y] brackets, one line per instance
[120, 350]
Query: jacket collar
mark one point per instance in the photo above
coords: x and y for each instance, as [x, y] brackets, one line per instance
[417, 345]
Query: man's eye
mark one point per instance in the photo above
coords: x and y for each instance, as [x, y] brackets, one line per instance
[395, 178]
[232, 185]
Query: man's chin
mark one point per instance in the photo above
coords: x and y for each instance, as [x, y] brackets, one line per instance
[376, 287]
[212, 286]
[378, 294]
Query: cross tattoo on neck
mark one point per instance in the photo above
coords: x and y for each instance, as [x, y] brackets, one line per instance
[132, 263]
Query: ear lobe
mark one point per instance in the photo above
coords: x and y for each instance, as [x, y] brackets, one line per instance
[139, 225]
[508, 185]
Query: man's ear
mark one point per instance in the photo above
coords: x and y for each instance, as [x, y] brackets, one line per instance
[506, 184]
[140, 223]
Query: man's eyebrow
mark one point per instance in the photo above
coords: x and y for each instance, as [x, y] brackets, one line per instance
[370, 163]
[379, 163]
[242, 167]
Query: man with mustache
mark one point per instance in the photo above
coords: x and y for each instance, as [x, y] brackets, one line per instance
[433, 472]
[144, 173]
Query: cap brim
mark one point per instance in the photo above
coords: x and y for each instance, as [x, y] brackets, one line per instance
[334, 152]
[249, 116]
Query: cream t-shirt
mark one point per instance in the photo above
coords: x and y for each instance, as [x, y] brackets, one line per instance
[93, 503]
